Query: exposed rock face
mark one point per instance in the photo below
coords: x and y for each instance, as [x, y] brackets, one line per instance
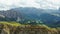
[9, 29]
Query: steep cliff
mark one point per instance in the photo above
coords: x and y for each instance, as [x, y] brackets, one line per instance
[16, 28]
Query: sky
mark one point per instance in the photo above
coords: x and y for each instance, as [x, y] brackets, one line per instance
[43, 4]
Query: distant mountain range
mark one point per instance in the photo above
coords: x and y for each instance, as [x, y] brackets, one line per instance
[48, 16]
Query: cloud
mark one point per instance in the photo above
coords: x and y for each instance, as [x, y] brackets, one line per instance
[44, 4]
[52, 4]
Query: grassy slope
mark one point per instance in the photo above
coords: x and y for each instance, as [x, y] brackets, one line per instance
[18, 24]
[10, 23]
[42, 27]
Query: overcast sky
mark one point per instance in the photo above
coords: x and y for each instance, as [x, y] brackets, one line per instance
[45, 4]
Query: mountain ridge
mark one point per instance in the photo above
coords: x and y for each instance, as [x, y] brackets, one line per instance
[29, 13]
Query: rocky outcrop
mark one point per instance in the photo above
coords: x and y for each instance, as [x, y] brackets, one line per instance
[27, 29]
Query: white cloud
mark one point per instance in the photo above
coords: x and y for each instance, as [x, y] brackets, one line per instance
[45, 4]
[53, 4]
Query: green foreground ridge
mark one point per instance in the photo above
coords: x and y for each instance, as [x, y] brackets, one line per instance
[17, 28]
